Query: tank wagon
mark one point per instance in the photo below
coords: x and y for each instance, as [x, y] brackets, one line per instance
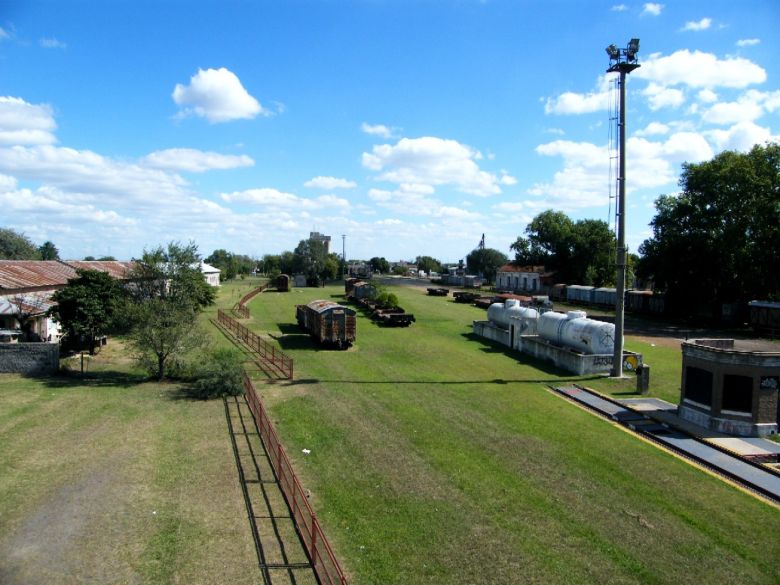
[331, 324]
[574, 330]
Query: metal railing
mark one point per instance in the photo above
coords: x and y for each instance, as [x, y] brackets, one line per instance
[318, 548]
[264, 351]
[240, 308]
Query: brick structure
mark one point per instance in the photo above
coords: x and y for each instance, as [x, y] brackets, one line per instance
[731, 386]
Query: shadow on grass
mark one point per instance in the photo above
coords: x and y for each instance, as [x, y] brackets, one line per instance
[289, 328]
[300, 341]
[99, 379]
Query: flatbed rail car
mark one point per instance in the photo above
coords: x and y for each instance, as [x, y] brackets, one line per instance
[330, 324]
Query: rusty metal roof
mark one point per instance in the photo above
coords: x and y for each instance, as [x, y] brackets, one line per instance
[115, 268]
[33, 303]
[25, 274]
[16, 274]
[513, 268]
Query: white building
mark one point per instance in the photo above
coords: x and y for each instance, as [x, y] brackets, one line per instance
[519, 278]
[210, 273]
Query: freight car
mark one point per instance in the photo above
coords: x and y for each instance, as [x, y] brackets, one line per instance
[331, 324]
[765, 317]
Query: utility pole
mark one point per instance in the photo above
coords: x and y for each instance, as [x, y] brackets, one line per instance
[343, 256]
[622, 61]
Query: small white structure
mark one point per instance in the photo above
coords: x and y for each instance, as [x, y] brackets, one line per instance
[210, 273]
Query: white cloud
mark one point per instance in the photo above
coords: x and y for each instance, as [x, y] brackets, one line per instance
[194, 161]
[507, 179]
[431, 161]
[217, 95]
[273, 198]
[88, 173]
[653, 129]
[707, 96]
[412, 200]
[663, 97]
[4, 34]
[584, 180]
[619, 8]
[329, 183]
[7, 183]
[52, 43]
[698, 25]
[741, 136]
[748, 42]
[652, 8]
[25, 123]
[377, 130]
[571, 102]
[750, 106]
[700, 70]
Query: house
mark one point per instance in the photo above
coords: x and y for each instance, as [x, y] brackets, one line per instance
[520, 278]
[210, 273]
[27, 287]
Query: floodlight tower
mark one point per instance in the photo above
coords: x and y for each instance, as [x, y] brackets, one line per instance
[622, 61]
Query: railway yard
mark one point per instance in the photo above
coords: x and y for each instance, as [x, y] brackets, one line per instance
[429, 455]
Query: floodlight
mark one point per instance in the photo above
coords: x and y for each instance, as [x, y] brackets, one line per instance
[613, 52]
[632, 50]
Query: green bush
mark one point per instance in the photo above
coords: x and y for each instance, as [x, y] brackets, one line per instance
[220, 374]
[387, 300]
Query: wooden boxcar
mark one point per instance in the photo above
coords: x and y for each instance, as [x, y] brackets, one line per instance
[331, 324]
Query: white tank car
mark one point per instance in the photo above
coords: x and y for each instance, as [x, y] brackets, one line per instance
[576, 331]
[501, 314]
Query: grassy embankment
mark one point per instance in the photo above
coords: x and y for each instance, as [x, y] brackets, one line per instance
[439, 458]
[113, 479]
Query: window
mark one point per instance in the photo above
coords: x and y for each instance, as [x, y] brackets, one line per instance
[698, 385]
[737, 393]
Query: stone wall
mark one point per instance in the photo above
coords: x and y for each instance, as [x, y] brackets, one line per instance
[29, 358]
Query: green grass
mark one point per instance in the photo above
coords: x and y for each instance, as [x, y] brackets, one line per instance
[439, 458]
[111, 479]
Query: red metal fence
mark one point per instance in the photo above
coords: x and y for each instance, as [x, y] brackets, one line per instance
[265, 352]
[320, 552]
[240, 308]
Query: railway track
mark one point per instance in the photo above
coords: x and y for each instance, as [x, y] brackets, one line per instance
[750, 475]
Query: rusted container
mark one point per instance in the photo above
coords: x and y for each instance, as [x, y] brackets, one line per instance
[331, 324]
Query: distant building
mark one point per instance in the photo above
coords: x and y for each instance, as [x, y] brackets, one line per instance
[210, 273]
[317, 236]
[520, 278]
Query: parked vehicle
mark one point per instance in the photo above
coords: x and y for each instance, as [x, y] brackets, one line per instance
[331, 324]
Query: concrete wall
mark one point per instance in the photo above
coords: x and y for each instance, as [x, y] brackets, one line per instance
[29, 358]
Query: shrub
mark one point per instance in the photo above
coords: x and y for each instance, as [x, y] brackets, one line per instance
[220, 374]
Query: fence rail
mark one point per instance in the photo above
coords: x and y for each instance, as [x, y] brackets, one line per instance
[240, 308]
[317, 546]
[267, 353]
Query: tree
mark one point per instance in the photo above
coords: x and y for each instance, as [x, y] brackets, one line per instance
[48, 251]
[486, 261]
[718, 241]
[88, 305]
[380, 265]
[311, 260]
[168, 291]
[581, 252]
[428, 264]
[16, 246]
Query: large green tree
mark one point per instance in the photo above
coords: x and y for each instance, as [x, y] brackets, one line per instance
[312, 260]
[486, 261]
[718, 241]
[16, 246]
[88, 306]
[581, 252]
[168, 291]
[428, 264]
[230, 264]
[48, 251]
[379, 264]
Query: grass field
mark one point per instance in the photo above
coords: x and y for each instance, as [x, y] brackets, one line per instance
[110, 479]
[439, 458]
[435, 458]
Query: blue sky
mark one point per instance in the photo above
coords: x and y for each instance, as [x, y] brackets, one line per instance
[412, 127]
